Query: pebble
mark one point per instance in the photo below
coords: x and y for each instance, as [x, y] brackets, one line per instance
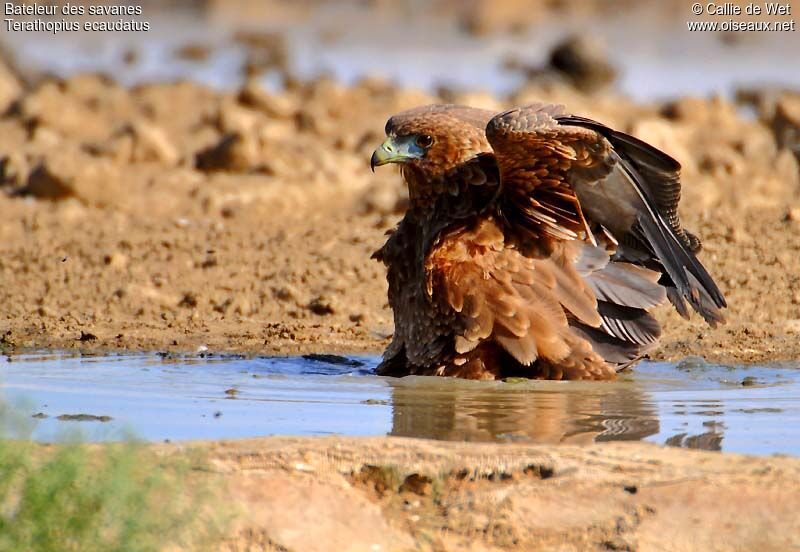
[321, 306]
[234, 152]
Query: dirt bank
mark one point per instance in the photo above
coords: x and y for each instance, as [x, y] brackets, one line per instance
[171, 216]
[405, 494]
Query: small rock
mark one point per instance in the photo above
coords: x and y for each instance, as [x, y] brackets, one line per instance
[44, 184]
[375, 401]
[285, 293]
[189, 300]
[222, 307]
[235, 152]
[582, 61]
[83, 418]
[150, 143]
[714, 110]
[86, 336]
[76, 174]
[333, 359]
[321, 306]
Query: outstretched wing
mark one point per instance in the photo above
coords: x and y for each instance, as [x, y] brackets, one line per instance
[660, 173]
[563, 175]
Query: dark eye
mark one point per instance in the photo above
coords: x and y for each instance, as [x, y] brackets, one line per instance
[424, 141]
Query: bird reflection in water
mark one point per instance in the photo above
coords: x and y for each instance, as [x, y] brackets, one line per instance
[533, 412]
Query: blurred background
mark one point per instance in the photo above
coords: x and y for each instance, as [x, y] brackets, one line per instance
[643, 47]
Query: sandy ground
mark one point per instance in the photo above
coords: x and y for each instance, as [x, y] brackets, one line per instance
[170, 216]
[397, 494]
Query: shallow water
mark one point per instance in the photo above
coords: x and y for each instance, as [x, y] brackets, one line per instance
[752, 410]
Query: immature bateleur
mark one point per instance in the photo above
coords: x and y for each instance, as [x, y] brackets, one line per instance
[536, 244]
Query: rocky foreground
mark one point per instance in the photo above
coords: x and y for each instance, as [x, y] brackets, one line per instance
[405, 494]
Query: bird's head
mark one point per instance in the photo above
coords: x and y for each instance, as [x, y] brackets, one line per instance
[433, 139]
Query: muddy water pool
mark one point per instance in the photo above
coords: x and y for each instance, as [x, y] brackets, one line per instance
[691, 404]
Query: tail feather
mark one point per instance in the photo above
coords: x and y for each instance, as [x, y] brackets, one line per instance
[625, 295]
[616, 352]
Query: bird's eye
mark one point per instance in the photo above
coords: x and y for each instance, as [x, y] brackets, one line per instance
[424, 141]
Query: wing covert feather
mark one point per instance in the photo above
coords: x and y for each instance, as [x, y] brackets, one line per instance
[536, 157]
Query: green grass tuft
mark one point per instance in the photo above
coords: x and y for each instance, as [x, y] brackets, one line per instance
[114, 497]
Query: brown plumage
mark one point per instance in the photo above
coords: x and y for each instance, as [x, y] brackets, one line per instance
[535, 245]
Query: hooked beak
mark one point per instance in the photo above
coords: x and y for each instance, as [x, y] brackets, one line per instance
[395, 150]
